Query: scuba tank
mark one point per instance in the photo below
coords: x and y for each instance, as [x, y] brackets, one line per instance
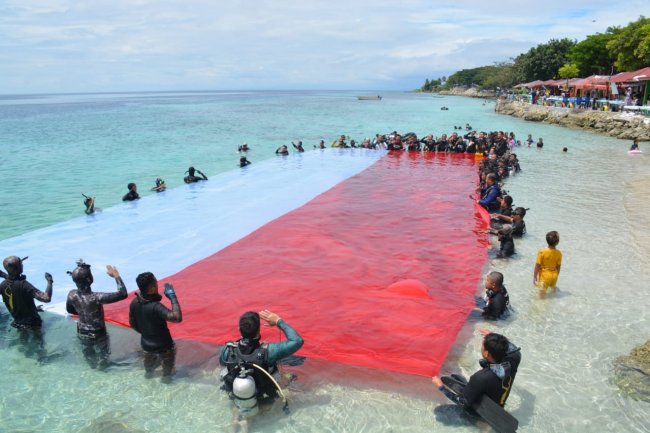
[244, 392]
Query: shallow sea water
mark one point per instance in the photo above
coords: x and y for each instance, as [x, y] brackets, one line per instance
[595, 196]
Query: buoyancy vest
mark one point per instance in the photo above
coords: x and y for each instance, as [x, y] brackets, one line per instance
[237, 361]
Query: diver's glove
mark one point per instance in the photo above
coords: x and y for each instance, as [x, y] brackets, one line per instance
[169, 292]
[48, 277]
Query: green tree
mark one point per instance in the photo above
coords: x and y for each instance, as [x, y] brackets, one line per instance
[543, 61]
[591, 56]
[631, 45]
[570, 70]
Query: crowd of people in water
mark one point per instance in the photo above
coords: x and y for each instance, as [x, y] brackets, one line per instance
[250, 366]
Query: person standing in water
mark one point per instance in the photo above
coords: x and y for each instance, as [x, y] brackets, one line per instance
[190, 178]
[89, 306]
[635, 144]
[18, 295]
[149, 318]
[250, 364]
[548, 264]
[132, 194]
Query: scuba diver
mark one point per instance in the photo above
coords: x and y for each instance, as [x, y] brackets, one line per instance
[132, 194]
[250, 364]
[499, 363]
[149, 318]
[18, 294]
[89, 202]
[88, 305]
[160, 185]
[506, 243]
[190, 178]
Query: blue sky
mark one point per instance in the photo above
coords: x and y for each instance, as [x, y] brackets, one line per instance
[119, 45]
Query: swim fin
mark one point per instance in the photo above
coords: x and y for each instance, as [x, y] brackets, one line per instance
[496, 416]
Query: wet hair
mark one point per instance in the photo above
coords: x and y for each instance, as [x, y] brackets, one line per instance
[496, 345]
[521, 211]
[130, 186]
[13, 265]
[191, 171]
[491, 176]
[565, 150]
[249, 324]
[508, 200]
[145, 280]
[552, 238]
[496, 278]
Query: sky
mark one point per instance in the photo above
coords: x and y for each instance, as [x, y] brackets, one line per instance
[59, 46]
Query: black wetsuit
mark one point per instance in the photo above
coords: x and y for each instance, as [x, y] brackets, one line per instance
[507, 247]
[494, 380]
[88, 305]
[130, 196]
[18, 295]
[518, 228]
[497, 304]
[149, 317]
[193, 179]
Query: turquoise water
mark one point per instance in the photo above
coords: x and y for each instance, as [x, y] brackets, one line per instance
[56, 147]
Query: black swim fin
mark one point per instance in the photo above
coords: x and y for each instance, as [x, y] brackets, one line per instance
[496, 416]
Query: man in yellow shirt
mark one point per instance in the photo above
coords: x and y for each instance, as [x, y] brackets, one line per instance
[548, 263]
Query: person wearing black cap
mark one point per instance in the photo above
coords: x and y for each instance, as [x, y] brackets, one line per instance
[255, 362]
[190, 178]
[89, 306]
[18, 295]
[149, 317]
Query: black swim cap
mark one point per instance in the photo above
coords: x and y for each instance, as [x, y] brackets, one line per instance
[191, 171]
[249, 324]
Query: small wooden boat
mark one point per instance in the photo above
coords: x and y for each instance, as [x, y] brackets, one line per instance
[369, 98]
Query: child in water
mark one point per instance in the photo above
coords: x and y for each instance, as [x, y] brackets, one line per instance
[547, 265]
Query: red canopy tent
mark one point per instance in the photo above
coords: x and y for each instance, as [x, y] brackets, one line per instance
[598, 82]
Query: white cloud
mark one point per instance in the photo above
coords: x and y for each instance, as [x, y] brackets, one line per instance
[131, 45]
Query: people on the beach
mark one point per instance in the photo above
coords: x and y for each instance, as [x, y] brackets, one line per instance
[89, 306]
[18, 295]
[149, 317]
[191, 178]
[251, 364]
[282, 150]
[499, 364]
[548, 264]
[89, 203]
[160, 185]
[132, 194]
